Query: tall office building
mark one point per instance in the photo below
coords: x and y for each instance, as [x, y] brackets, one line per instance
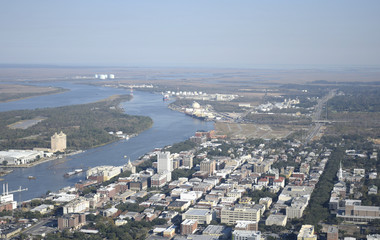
[208, 166]
[188, 161]
[165, 164]
[58, 142]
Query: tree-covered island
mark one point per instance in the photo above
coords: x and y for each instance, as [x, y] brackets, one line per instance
[86, 125]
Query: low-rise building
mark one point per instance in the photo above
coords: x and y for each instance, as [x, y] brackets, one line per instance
[179, 205]
[203, 216]
[235, 193]
[205, 204]
[107, 191]
[188, 226]
[17, 157]
[103, 173]
[266, 201]
[77, 206]
[246, 235]
[260, 208]
[279, 220]
[262, 167]
[82, 185]
[307, 233]
[124, 196]
[138, 184]
[169, 232]
[158, 180]
[357, 213]
[373, 237]
[43, 209]
[203, 187]
[332, 233]
[372, 190]
[221, 232]
[7, 202]
[120, 222]
[228, 200]
[73, 221]
[230, 215]
[295, 211]
[191, 196]
[247, 225]
[110, 212]
[290, 192]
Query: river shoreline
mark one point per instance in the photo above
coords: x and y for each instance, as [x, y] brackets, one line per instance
[43, 160]
[168, 127]
[58, 91]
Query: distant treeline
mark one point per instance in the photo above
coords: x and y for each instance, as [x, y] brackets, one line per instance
[357, 99]
[14, 96]
[312, 90]
[345, 83]
[86, 125]
[276, 119]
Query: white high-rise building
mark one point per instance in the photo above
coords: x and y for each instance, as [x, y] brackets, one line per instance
[165, 164]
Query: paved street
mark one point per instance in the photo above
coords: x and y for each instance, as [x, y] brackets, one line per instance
[317, 116]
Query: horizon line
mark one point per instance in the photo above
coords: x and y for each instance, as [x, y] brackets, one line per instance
[255, 66]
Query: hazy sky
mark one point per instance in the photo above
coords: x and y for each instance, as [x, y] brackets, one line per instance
[205, 33]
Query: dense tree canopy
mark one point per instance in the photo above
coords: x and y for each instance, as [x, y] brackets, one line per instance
[86, 125]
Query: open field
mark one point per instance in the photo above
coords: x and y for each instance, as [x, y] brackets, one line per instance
[236, 130]
[9, 92]
[253, 84]
[24, 124]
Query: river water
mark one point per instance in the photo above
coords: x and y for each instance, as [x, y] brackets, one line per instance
[168, 127]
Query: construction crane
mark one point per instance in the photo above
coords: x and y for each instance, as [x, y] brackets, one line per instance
[6, 192]
[19, 190]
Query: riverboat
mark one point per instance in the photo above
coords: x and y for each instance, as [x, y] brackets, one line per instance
[76, 171]
[166, 98]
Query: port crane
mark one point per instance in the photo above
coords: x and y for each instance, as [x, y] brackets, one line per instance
[6, 192]
[19, 190]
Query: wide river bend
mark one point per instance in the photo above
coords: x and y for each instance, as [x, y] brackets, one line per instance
[169, 127]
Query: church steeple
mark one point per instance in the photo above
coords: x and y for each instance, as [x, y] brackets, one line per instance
[129, 166]
[340, 172]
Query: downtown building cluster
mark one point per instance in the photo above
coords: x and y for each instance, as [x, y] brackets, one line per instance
[216, 200]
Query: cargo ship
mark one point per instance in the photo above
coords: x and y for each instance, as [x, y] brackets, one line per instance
[76, 171]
